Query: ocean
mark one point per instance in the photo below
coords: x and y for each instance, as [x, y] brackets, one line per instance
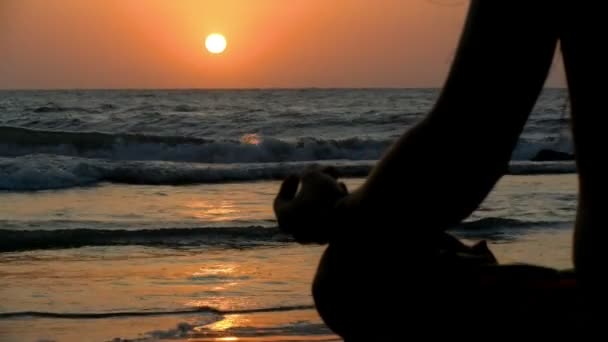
[145, 215]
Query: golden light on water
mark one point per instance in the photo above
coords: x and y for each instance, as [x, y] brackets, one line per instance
[251, 139]
[227, 323]
[212, 211]
[215, 270]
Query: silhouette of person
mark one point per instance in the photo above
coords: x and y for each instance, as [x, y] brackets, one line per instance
[386, 240]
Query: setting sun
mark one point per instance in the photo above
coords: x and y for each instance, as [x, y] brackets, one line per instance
[215, 43]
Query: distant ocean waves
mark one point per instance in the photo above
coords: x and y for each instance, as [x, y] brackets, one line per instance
[220, 237]
[224, 237]
[67, 138]
[48, 171]
[250, 148]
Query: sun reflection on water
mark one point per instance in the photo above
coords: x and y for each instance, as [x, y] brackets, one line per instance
[215, 270]
[229, 322]
[213, 211]
[251, 139]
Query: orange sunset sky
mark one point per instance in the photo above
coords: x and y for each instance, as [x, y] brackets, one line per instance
[271, 43]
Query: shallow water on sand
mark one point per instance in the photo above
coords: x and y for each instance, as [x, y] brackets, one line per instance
[205, 286]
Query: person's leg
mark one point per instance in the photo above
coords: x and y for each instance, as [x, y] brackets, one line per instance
[583, 36]
[443, 168]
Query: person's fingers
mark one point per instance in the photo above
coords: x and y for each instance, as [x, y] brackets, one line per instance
[315, 184]
[303, 205]
[321, 187]
[288, 188]
[481, 245]
[284, 203]
[311, 179]
[343, 187]
[286, 194]
[332, 171]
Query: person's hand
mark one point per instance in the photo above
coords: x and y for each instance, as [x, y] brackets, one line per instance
[310, 213]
